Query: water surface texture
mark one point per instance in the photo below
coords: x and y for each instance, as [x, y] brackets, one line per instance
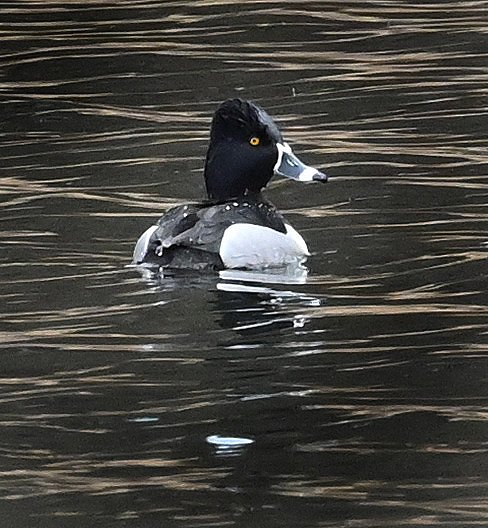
[354, 397]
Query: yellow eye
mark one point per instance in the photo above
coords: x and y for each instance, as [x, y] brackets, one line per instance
[254, 141]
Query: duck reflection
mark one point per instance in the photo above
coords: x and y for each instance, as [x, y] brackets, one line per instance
[258, 303]
[254, 303]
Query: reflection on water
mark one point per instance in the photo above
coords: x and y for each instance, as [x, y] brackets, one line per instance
[353, 394]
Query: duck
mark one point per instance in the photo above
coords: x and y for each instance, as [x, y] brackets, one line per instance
[235, 227]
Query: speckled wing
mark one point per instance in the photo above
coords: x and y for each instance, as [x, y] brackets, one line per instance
[204, 226]
[176, 221]
[201, 227]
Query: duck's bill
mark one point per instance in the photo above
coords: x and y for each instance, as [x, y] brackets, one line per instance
[289, 166]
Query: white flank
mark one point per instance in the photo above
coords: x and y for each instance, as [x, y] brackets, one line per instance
[140, 250]
[254, 246]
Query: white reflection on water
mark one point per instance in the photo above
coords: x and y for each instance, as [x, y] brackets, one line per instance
[228, 446]
[295, 274]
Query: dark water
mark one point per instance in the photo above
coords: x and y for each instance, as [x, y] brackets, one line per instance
[362, 389]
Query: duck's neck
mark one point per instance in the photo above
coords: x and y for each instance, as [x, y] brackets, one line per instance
[230, 172]
[252, 196]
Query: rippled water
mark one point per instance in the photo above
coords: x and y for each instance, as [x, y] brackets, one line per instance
[356, 396]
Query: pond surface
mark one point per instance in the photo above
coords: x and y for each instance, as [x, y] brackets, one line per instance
[354, 397]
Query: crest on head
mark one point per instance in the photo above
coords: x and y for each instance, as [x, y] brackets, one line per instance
[240, 119]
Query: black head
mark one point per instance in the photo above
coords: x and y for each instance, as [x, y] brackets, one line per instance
[242, 150]
[246, 149]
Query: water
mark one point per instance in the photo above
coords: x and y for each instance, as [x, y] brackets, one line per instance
[355, 396]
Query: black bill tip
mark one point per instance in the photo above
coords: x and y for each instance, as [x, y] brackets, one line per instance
[320, 176]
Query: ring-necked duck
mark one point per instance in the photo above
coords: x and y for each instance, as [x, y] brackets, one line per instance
[236, 227]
